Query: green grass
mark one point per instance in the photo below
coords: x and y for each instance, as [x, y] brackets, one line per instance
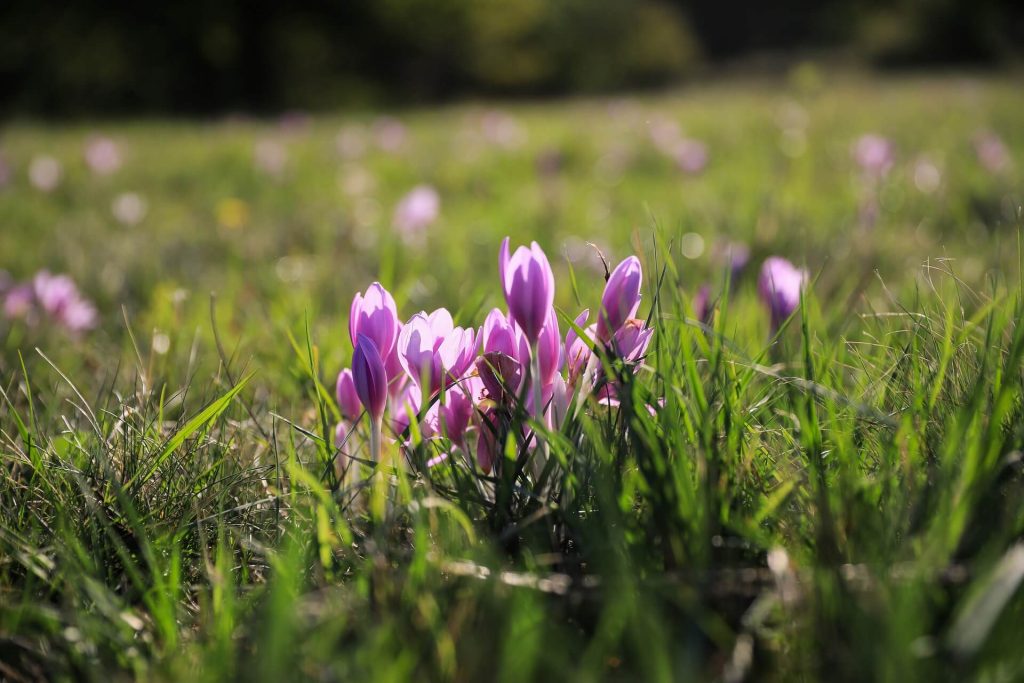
[843, 501]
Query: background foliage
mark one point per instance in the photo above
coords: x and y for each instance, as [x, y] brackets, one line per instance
[190, 57]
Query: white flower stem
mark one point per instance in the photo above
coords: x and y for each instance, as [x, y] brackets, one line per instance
[376, 425]
[540, 456]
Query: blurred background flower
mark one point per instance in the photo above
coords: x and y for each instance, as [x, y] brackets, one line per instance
[417, 211]
[45, 173]
[102, 155]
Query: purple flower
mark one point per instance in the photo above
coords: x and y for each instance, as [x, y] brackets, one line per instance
[369, 377]
[780, 286]
[433, 351]
[501, 375]
[102, 155]
[549, 349]
[691, 156]
[348, 397]
[404, 407]
[416, 211]
[558, 407]
[389, 133]
[529, 287]
[702, 304]
[736, 256]
[59, 298]
[45, 172]
[579, 349]
[621, 297]
[458, 409]
[375, 315]
[78, 316]
[341, 442]
[487, 447]
[129, 208]
[19, 301]
[631, 340]
[504, 348]
[875, 155]
[991, 152]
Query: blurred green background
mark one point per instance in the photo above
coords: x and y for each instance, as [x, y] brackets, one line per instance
[198, 56]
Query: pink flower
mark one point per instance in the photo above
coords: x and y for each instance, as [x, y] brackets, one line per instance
[875, 155]
[45, 173]
[375, 315]
[549, 349]
[458, 409]
[488, 450]
[405, 407]
[369, 377]
[780, 287]
[529, 287]
[501, 365]
[390, 133]
[631, 340]
[702, 304]
[102, 155]
[19, 301]
[433, 351]
[348, 397]
[579, 349]
[621, 297]
[691, 156]
[59, 298]
[342, 432]
[129, 208]
[992, 153]
[417, 211]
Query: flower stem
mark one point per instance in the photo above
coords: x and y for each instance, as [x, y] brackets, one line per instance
[375, 430]
[540, 456]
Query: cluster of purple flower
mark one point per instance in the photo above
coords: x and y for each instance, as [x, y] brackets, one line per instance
[473, 380]
[780, 286]
[46, 297]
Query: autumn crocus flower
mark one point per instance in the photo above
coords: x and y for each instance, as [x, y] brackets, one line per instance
[504, 348]
[529, 287]
[621, 297]
[375, 315]
[991, 152]
[457, 410]
[371, 384]
[416, 211]
[631, 340]
[19, 301]
[780, 286]
[58, 297]
[702, 304]
[369, 377]
[348, 397]
[45, 172]
[549, 349]
[874, 154]
[405, 406]
[102, 155]
[487, 447]
[433, 351]
[579, 349]
[691, 156]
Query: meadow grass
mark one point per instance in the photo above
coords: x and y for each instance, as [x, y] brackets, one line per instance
[840, 500]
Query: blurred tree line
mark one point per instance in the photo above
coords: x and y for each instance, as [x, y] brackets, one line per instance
[190, 56]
